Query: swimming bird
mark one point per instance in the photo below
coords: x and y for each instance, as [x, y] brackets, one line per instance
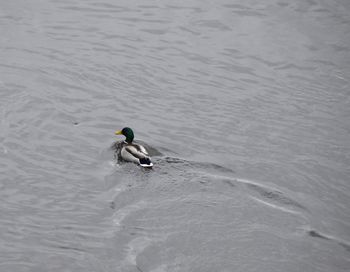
[132, 152]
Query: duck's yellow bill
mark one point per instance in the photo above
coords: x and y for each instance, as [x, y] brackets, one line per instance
[118, 132]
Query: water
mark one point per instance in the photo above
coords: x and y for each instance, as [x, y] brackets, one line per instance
[247, 105]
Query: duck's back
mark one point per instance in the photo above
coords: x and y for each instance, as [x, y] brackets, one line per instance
[133, 152]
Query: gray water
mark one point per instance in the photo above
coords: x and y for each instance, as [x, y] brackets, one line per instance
[245, 104]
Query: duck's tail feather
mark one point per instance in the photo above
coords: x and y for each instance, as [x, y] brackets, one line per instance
[145, 162]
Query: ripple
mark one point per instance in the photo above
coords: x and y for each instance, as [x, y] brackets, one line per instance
[316, 234]
[269, 195]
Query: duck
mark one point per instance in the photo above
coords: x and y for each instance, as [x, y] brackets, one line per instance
[132, 152]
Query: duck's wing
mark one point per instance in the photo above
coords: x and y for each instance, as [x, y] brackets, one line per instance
[137, 151]
[129, 154]
[141, 149]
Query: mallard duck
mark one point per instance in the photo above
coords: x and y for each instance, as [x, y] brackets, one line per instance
[132, 152]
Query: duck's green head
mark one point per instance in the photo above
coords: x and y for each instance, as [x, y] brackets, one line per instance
[128, 133]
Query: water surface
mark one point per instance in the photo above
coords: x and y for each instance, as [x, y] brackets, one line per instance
[247, 105]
